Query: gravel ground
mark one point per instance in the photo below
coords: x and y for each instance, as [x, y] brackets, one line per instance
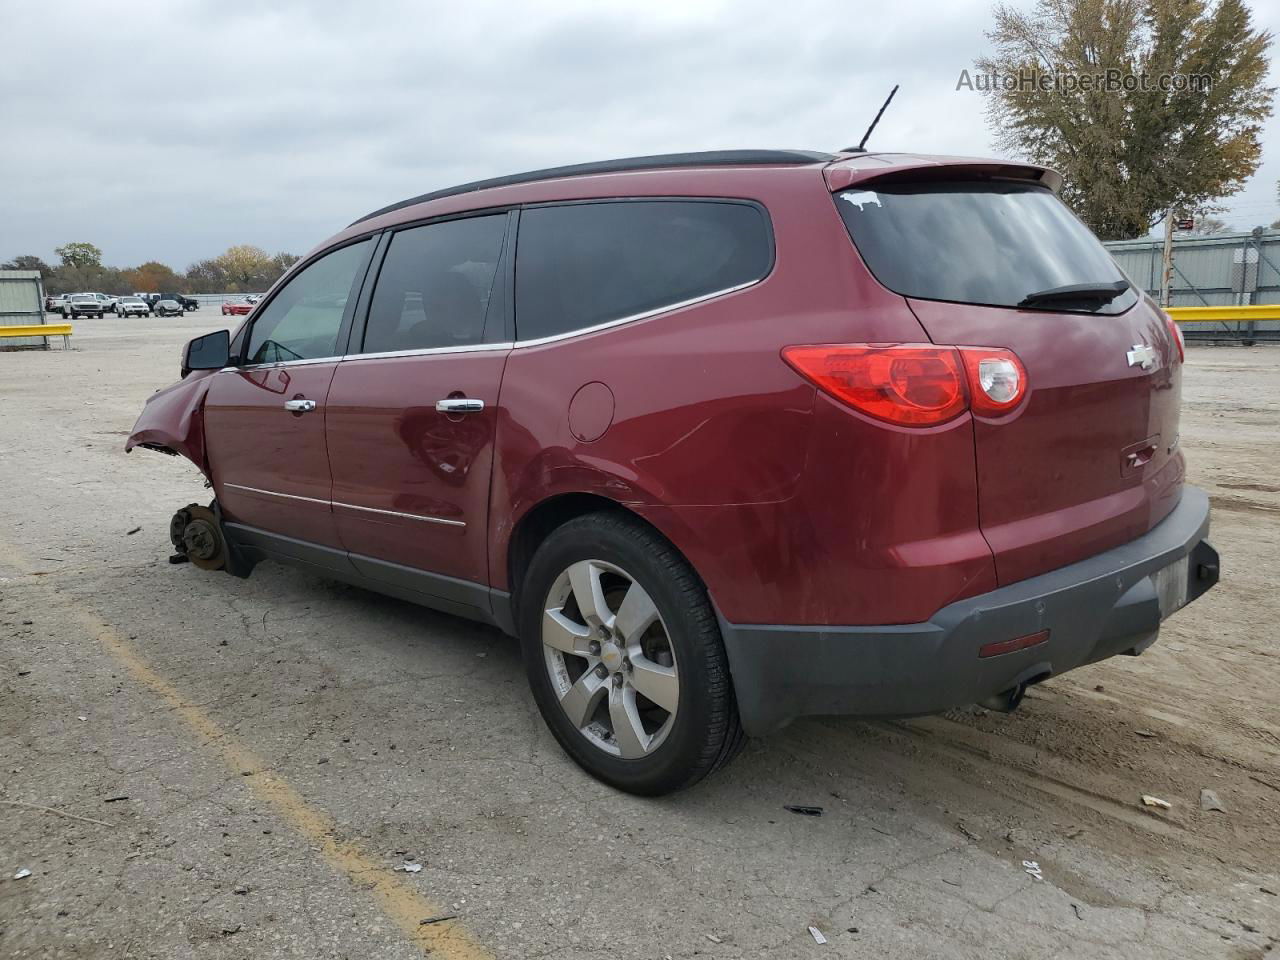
[239, 767]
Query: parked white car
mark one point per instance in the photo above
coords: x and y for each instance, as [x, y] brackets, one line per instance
[132, 307]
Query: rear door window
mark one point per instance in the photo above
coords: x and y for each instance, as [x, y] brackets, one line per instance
[983, 242]
[435, 286]
[580, 265]
[303, 320]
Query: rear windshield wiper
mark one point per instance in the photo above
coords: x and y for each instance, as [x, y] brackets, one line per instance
[1099, 293]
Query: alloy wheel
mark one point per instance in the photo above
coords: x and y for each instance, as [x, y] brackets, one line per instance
[610, 659]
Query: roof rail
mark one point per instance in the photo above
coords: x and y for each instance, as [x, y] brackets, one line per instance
[705, 158]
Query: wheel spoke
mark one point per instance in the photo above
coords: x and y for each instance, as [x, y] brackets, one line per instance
[628, 733]
[579, 702]
[635, 613]
[584, 576]
[563, 634]
[656, 682]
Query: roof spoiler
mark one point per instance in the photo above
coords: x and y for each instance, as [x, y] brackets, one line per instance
[905, 168]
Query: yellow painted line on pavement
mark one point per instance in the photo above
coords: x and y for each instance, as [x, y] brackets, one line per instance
[402, 904]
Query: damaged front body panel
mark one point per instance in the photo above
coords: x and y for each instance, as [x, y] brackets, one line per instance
[172, 421]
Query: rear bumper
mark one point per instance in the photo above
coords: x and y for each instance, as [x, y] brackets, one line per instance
[1097, 608]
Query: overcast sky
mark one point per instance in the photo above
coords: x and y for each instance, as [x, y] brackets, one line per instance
[170, 131]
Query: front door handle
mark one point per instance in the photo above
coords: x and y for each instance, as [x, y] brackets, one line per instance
[299, 406]
[459, 405]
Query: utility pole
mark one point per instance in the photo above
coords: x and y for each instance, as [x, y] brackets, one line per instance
[1166, 275]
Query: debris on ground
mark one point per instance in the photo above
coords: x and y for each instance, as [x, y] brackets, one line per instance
[409, 866]
[818, 938]
[1209, 801]
[22, 874]
[1147, 734]
[59, 813]
[713, 938]
[1032, 869]
[115, 799]
[1151, 801]
[130, 533]
[804, 811]
[241, 891]
[1076, 908]
[440, 919]
[975, 837]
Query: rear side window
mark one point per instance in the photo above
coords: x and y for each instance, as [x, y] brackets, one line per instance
[584, 264]
[434, 286]
[983, 242]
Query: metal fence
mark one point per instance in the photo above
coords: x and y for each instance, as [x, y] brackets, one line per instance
[1227, 269]
[21, 304]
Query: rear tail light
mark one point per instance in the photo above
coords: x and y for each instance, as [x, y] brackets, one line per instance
[911, 385]
[914, 385]
[1175, 332]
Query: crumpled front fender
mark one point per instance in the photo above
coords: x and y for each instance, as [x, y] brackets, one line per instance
[173, 420]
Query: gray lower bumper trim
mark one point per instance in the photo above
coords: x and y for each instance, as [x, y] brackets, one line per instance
[1099, 607]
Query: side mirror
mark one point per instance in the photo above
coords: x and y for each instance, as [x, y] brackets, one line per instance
[210, 352]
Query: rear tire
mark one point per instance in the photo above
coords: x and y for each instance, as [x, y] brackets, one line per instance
[678, 656]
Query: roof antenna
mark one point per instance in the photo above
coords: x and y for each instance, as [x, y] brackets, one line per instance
[860, 148]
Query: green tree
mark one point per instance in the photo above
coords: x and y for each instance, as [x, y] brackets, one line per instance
[282, 262]
[206, 276]
[28, 262]
[79, 255]
[245, 266]
[1127, 155]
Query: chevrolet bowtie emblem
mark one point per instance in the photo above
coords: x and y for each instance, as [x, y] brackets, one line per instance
[1142, 356]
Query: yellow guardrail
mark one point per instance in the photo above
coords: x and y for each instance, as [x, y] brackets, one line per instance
[62, 330]
[1266, 311]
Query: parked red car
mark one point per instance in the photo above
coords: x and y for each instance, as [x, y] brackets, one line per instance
[237, 308]
[725, 439]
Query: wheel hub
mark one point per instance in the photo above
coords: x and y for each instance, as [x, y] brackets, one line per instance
[611, 656]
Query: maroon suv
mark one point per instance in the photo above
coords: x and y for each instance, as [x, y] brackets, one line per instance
[724, 438]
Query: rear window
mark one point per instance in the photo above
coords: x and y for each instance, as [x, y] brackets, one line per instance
[584, 264]
[992, 243]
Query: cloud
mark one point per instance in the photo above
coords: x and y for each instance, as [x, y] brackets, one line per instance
[179, 129]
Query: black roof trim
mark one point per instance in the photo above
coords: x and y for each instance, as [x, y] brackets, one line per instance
[705, 158]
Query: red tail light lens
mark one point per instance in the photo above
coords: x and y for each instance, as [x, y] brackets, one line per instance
[913, 385]
[997, 380]
[1175, 332]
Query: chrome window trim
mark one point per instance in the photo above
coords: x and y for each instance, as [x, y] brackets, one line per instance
[428, 351]
[407, 516]
[633, 318]
[280, 363]
[348, 506]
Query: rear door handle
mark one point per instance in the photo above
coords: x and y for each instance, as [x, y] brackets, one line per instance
[459, 405]
[299, 406]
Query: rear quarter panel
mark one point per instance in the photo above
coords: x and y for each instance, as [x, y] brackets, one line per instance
[712, 434]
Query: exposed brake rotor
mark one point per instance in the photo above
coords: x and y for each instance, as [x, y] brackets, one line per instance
[195, 532]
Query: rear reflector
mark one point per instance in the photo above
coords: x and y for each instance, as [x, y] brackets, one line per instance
[1009, 646]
